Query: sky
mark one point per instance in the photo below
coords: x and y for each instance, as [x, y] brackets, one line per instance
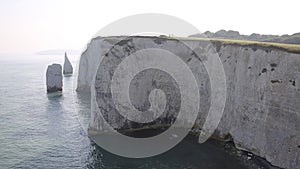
[29, 26]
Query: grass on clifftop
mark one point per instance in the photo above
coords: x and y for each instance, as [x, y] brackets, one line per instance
[293, 48]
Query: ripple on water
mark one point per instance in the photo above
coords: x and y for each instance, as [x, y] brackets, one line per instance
[39, 130]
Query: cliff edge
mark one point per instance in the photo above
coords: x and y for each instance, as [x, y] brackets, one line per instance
[262, 111]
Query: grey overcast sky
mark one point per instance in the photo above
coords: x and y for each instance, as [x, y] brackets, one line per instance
[33, 25]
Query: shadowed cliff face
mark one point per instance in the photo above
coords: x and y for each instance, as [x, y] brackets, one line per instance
[263, 92]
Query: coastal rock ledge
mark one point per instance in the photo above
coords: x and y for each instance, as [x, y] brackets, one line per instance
[54, 78]
[262, 111]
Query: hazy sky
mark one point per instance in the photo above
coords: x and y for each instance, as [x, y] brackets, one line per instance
[29, 26]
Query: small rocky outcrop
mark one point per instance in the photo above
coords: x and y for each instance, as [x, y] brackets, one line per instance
[54, 78]
[68, 68]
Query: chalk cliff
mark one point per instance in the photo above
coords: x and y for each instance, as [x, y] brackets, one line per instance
[262, 111]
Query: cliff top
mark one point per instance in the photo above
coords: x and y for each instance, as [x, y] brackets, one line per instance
[231, 34]
[218, 42]
[292, 48]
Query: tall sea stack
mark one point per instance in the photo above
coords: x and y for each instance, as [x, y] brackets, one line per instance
[54, 78]
[68, 69]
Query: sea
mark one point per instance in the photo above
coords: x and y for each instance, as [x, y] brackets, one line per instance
[40, 130]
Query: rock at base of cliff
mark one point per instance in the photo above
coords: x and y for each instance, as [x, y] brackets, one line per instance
[68, 68]
[54, 78]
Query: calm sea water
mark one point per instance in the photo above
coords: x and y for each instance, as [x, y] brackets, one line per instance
[40, 130]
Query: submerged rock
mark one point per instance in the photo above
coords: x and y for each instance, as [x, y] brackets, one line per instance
[54, 78]
[68, 69]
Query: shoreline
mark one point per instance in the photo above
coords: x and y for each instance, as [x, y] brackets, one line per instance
[226, 144]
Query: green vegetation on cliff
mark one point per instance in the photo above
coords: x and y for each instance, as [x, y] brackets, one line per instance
[293, 48]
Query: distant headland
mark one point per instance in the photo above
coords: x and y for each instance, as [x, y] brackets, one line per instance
[230, 34]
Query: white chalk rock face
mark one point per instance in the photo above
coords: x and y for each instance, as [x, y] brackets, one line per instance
[262, 111]
[54, 78]
[90, 60]
[68, 68]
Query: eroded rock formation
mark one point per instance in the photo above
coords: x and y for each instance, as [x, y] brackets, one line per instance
[68, 68]
[262, 112]
[54, 78]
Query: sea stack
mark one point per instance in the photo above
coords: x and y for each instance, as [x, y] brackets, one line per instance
[68, 69]
[54, 78]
